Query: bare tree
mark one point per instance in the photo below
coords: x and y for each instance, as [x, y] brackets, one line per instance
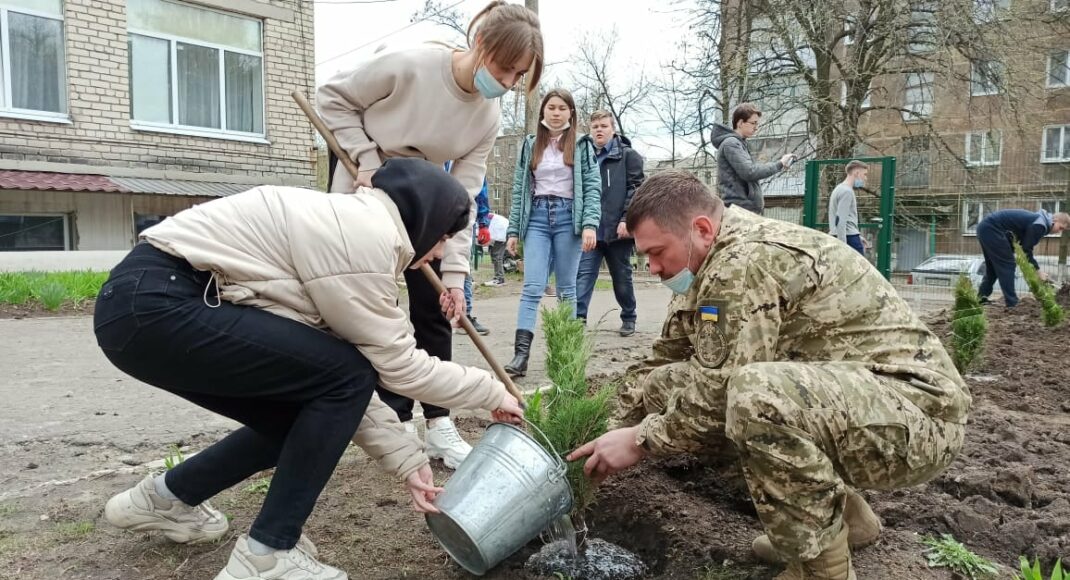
[672, 104]
[597, 88]
[442, 14]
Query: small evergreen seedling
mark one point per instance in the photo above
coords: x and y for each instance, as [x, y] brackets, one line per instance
[1052, 313]
[968, 326]
[566, 414]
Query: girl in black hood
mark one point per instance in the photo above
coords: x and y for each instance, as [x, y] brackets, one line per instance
[432, 203]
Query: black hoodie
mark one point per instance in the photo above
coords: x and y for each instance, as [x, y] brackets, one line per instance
[431, 202]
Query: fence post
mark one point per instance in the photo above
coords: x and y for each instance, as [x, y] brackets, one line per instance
[1064, 240]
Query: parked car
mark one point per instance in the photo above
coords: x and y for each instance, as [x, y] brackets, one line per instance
[943, 271]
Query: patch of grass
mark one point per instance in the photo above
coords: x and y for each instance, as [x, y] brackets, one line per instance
[51, 289]
[1035, 573]
[947, 552]
[968, 326]
[173, 458]
[259, 486]
[74, 530]
[1044, 293]
[7, 509]
[566, 414]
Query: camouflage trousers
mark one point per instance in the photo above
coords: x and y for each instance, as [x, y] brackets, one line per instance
[803, 432]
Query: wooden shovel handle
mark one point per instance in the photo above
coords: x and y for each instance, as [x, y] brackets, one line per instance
[351, 167]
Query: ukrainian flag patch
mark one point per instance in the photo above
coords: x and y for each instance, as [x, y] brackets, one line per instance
[710, 313]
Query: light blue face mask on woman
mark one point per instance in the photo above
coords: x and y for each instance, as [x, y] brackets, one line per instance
[681, 282]
[487, 85]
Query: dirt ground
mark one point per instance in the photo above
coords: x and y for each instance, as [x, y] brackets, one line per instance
[74, 431]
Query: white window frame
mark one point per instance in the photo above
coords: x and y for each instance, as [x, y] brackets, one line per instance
[66, 225]
[1054, 8]
[194, 131]
[5, 68]
[989, 10]
[1063, 136]
[994, 206]
[849, 39]
[984, 147]
[911, 115]
[1066, 70]
[866, 102]
[977, 81]
[922, 28]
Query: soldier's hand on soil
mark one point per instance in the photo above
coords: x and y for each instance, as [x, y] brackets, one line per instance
[509, 412]
[421, 484]
[452, 302]
[613, 452]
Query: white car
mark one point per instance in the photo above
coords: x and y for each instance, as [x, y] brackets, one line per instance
[943, 270]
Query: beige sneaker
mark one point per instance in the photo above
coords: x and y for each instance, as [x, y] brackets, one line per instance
[141, 509]
[295, 564]
[445, 443]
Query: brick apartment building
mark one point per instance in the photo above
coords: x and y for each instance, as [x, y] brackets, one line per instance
[117, 113]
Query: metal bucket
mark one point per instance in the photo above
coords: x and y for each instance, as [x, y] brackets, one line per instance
[507, 491]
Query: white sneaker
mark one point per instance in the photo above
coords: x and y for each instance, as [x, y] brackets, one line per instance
[445, 443]
[141, 509]
[295, 564]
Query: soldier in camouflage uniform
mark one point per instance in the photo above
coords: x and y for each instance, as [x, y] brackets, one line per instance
[786, 349]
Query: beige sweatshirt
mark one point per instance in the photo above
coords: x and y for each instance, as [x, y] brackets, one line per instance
[407, 104]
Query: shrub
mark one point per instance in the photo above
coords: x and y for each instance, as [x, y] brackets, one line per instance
[1044, 293]
[968, 326]
[565, 413]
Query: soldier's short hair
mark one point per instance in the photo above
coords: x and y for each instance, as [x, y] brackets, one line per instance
[603, 114]
[672, 198]
[854, 164]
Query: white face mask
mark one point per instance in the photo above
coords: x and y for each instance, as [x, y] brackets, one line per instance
[563, 127]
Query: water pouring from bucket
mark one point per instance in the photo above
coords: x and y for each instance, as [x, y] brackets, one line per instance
[506, 492]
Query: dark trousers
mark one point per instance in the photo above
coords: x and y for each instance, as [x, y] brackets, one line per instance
[433, 334]
[618, 256]
[497, 256]
[999, 263]
[855, 241]
[299, 391]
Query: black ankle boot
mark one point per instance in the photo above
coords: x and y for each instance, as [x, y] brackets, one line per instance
[519, 365]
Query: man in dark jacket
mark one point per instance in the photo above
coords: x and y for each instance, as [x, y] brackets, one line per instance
[622, 172]
[995, 234]
[737, 173]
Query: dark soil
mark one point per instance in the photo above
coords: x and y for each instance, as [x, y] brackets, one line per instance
[37, 310]
[1007, 494]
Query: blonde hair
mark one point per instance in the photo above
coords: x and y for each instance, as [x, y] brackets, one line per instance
[567, 143]
[1062, 218]
[603, 114]
[503, 32]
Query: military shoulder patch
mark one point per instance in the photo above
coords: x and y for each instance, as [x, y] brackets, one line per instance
[711, 344]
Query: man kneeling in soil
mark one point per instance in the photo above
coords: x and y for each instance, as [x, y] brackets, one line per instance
[789, 345]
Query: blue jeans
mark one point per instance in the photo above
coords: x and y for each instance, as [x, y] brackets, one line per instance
[855, 241]
[549, 237]
[468, 296]
[618, 257]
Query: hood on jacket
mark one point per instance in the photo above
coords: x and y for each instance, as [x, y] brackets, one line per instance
[721, 132]
[431, 202]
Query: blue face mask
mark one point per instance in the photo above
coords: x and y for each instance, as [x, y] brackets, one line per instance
[859, 183]
[487, 85]
[681, 282]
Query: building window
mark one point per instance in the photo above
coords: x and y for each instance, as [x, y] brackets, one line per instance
[918, 96]
[921, 30]
[866, 102]
[38, 232]
[1056, 145]
[972, 214]
[195, 69]
[1059, 68]
[1060, 5]
[916, 162]
[983, 148]
[989, 10]
[33, 79]
[986, 77]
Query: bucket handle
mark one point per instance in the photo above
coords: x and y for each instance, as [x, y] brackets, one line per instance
[556, 474]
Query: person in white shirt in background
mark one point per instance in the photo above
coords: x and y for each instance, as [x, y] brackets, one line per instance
[499, 225]
[843, 207]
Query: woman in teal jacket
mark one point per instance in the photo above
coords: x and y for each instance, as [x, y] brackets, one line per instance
[556, 208]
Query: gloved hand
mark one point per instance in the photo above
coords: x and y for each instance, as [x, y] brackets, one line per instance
[483, 237]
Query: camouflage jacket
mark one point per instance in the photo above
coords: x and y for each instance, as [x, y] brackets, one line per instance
[774, 291]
